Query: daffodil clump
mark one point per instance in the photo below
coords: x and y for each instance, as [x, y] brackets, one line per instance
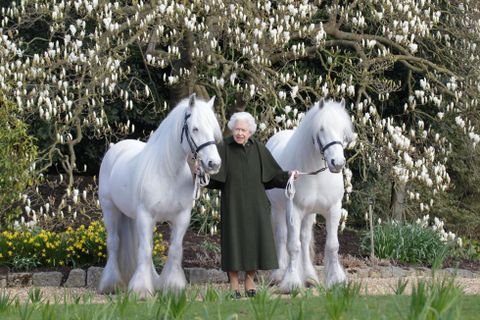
[83, 246]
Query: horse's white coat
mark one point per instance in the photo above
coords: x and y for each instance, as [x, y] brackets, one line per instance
[322, 193]
[142, 183]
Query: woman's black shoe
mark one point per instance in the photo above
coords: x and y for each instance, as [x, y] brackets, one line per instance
[251, 293]
[236, 295]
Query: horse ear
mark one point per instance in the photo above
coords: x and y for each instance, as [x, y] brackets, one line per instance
[191, 100]
[342, 103]
[321, 103]
[211, 102]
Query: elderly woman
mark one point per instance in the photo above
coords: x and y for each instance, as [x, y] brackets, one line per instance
[248, 169]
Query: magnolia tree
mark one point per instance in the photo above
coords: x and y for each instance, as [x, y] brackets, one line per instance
[406, 69]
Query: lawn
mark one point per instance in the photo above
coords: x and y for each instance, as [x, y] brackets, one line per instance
[437, 299]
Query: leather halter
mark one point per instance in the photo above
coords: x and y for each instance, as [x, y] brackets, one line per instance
[194, 148]
[328, 145]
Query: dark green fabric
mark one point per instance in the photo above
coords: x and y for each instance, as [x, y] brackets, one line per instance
[246, 229]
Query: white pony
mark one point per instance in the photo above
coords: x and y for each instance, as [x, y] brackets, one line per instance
[142, 183]
[319, 139]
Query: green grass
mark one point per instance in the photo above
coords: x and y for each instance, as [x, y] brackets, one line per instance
[438, 299]
[365, 307]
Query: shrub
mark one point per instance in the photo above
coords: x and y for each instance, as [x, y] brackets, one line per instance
[26, 249]
[17, 154]
[206, 213]
[412, 243]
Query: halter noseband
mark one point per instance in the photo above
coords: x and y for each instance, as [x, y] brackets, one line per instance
[328, 145]
[193, 146]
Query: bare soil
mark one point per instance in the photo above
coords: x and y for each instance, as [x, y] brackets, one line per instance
[202, 250]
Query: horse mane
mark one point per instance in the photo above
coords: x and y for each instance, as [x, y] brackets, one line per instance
[331, 113]
[165, 140]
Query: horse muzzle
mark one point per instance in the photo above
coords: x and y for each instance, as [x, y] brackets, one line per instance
[211, 166]
[336, 165]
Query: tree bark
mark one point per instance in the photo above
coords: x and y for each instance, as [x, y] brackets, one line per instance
[397, 202]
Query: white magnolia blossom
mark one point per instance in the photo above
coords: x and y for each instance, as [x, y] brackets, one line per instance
[271, 55]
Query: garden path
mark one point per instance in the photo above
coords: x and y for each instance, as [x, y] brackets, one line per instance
[371, 286]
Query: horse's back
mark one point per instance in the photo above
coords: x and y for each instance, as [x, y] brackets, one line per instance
[117, 164]
[276, 144]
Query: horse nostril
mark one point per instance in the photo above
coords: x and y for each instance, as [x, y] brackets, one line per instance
[213, 165]
[333, 162]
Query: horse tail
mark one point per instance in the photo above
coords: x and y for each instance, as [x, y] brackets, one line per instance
[128, 247]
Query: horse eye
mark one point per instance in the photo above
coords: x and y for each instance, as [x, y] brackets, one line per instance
[195, 129]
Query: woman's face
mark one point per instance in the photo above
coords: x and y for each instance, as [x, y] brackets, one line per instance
[241, 132]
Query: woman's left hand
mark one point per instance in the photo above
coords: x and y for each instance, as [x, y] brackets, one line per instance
[295, 174]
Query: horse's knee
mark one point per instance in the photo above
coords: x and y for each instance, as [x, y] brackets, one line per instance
[294, 247]
[332, 246]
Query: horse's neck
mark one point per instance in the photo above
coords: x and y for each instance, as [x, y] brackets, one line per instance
[174, 157]
[302, 153]
[170, 159]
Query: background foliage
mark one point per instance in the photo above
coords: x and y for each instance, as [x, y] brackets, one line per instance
[85, 74]
[17, 153]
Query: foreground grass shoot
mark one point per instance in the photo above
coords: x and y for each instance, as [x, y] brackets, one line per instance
[340, 298]
[423, 300]
[438, 299]
[35, 295]
[173, 305]
[400, 287]
[263, 304]
[5, 301]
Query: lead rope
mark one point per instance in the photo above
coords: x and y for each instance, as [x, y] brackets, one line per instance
[290, 188]
[201, 180]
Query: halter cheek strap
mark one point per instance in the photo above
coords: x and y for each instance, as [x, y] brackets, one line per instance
[201, 178]
[193, 146]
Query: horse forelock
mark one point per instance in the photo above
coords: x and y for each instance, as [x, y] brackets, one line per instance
[203, 115]
[332, 115]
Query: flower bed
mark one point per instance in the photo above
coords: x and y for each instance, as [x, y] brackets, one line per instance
[25, 249]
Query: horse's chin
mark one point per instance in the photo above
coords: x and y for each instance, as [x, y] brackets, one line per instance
[210, 171]
[334, 169]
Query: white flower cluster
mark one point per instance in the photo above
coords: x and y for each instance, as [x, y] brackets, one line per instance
[74, 200]
[438, 226]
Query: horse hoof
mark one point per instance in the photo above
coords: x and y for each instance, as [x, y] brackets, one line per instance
[142, 294]
[290, 287]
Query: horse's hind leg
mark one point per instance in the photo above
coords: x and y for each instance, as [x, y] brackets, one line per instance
[172, 276]
[111, 277]
[309, 274]
[280, 233]
[333, 270]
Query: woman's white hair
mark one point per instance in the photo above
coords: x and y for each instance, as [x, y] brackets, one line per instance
[244, 116]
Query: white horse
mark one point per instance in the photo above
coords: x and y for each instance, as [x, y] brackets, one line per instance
[142, 183]
[319, 139]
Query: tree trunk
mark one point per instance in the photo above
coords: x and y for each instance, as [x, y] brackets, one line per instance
[185, 86]
[397, 201]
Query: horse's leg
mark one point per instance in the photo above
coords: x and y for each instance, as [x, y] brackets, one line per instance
[280, 233]
[111, 279]
[142, 282]
[172, 276]
[309, 274]
[292, 278]
[333, 270]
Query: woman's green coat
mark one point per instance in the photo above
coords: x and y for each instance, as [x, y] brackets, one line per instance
[246, 231]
